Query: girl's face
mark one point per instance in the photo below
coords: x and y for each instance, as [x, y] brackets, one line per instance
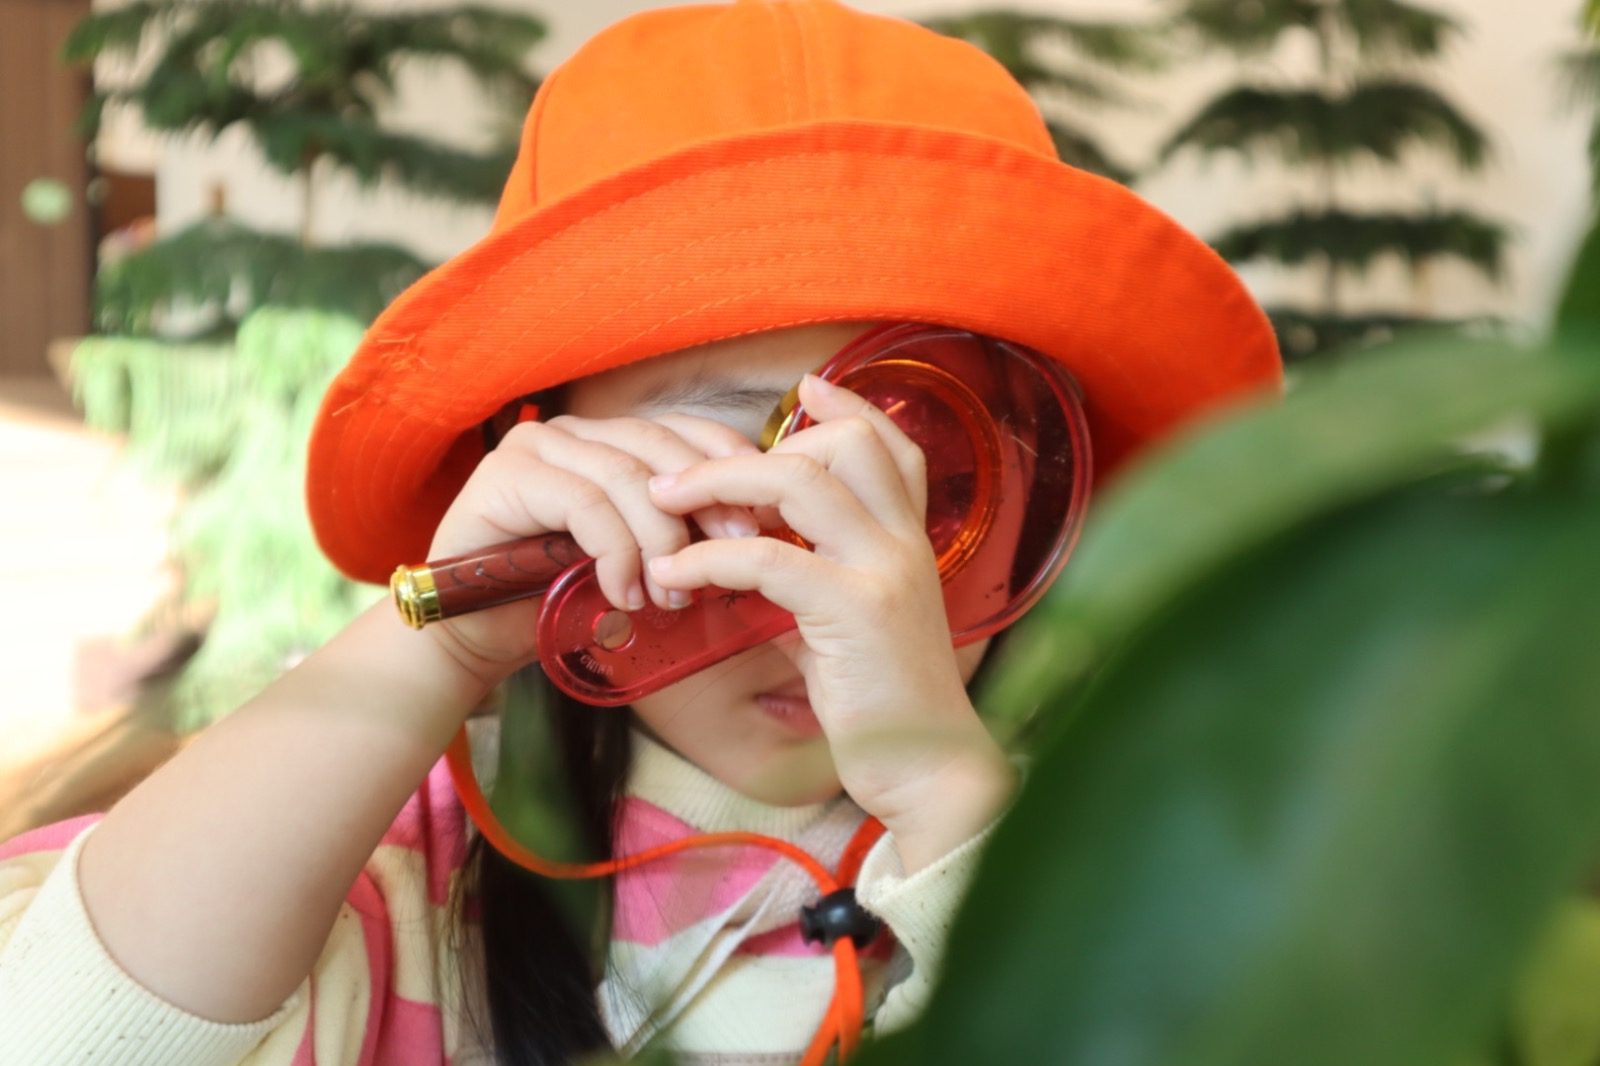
[712, 718]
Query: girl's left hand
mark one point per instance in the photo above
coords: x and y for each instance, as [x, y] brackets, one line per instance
[874, 643]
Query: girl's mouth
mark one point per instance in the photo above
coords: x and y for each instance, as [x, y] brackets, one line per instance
[790, 708]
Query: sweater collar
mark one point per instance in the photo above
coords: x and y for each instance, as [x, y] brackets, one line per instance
[667, 780]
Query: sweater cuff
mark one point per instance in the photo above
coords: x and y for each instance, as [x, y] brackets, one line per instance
[67, 1000]
[919, 909]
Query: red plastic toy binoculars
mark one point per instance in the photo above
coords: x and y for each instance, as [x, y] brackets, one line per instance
[1006, 444]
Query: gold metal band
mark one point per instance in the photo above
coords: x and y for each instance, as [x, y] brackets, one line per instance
[415, 596]
[779, 418]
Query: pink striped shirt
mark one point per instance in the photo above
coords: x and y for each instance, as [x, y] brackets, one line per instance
[705, 944]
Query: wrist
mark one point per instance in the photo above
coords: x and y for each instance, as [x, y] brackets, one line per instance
[473, 671]
[951, 807]
[409, 679]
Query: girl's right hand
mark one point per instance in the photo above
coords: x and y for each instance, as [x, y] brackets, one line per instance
[585, 476]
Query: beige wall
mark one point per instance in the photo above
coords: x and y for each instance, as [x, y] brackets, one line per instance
[1500, 74]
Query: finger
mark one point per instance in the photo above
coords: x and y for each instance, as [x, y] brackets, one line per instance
[736, 444]
[621, 475]
[789, 576]
[812, 501]
[715, 439]
[667, 445]
[513, 494]
[719, 441]
[852, 451]
[825, 401]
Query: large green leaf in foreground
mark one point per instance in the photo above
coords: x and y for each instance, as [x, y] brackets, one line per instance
[1349, 431]
[1313, 813]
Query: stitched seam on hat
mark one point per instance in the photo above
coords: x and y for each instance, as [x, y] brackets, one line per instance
[688, 279]
[538, 127]
[783, 192]
[793, 256]
[742, 231]
[783, 62]
[816, 58]
[401, 465]
[654, 326]
[804, 61]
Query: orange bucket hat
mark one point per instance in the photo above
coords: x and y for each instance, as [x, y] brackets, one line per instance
[701, 172]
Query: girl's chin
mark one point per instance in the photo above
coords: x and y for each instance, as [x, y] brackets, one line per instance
[790, 773]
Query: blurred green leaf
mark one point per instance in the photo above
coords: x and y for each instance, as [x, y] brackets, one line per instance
[1557, 1015]
[1313, 812]
[532, 797]
[1376, 420]
[1579, 306]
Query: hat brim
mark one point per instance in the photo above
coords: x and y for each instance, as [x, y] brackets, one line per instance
[831, 221]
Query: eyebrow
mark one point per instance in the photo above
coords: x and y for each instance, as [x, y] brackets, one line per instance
[712, 393]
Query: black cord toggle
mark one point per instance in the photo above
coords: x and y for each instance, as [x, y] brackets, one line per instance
[838, 914]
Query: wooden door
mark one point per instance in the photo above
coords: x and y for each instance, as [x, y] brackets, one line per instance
[45, 255]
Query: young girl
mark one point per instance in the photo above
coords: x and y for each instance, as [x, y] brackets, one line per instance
[708, 203]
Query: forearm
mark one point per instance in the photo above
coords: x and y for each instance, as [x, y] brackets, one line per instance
[216, 881]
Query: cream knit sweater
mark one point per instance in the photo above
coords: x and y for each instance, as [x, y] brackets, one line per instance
[705, 947]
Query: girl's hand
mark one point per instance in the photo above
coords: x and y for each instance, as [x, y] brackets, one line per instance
[585, 476]
[873, 642]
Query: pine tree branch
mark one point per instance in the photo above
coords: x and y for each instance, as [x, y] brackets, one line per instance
[1579, 75]
[1247, 29]
[115, 31]
[220, 271]
[1390, 28]
[1378, 118]
[1019, 42]
[1077, 148]
[1006, 35]
[1354, 240]
[1381, 28]
[344, 62]
[1303, 334]
[370, 153]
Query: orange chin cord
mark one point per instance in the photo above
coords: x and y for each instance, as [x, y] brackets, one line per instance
[840, 1025]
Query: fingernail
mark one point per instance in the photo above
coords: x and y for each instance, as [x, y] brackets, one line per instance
[662, 482]
[821, 386]
[677, 598]
[636, 598]
[741, 525]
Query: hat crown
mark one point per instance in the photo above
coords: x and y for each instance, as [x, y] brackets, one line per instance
[667, 79]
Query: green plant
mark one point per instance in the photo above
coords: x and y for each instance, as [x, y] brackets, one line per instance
[230, 422]
[1580, 70]
[1367, 102]
[1064, 63]
[309, 83]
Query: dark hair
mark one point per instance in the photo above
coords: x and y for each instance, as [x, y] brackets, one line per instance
[539, 969]
[539, 972]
